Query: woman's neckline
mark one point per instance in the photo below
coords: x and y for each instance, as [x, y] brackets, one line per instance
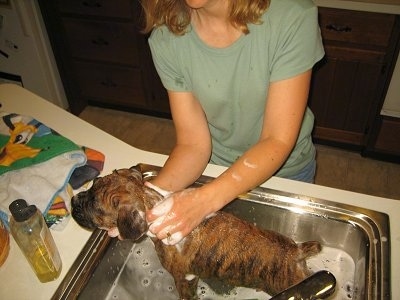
[216, 49]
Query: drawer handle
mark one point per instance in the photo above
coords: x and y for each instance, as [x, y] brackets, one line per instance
[93, 4]
[338, 28]
[100, 42]
[108, 83]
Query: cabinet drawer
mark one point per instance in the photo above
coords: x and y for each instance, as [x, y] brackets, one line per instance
[100, 8]
[110, 84]
[105, 41]
[356, 27]
[388, 139]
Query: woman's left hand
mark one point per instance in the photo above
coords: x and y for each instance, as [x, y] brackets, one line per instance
[177, 215]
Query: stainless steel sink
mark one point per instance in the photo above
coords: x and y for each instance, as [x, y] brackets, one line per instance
[356, 250]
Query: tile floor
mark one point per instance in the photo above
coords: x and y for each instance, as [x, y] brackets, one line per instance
[335, 167]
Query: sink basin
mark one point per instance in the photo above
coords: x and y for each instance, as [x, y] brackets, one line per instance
[355, 240]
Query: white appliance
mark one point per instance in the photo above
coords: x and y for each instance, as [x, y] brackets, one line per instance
[391, 106]
[26, 57]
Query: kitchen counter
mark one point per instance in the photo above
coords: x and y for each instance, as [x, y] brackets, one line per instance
[17, 281]
[379, 6]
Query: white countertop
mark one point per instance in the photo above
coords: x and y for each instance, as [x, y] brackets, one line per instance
[17, 281]
[379, 6]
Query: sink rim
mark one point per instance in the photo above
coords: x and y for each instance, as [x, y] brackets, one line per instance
[374, 223]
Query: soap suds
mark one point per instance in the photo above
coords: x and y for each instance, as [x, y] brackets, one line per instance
[174, 239]
[249, 164]
[236, 177]
[163, 208]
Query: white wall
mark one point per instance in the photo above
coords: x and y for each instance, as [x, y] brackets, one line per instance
[391, 106]
[24, 39]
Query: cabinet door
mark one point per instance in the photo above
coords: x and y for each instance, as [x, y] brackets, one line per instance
[99, 8]
[388, 139]
[105, 41]
[119, 85]
[343, 93]
[348, 84]
[102, 56]
[384, 142]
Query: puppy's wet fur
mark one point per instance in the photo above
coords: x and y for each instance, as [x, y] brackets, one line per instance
[222, 246]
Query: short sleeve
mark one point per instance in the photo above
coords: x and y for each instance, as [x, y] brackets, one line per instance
[299, 44]
[166, 61]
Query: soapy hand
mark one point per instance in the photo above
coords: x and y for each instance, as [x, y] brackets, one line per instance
[177, 216]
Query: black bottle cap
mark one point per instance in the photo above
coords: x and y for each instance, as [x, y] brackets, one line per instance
[21, 211]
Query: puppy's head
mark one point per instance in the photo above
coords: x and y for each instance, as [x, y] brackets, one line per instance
[116, 200]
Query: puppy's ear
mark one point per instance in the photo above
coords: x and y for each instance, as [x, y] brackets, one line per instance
[136, 172]
[131, 224]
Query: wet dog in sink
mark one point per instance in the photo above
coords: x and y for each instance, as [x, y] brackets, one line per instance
[222, 246]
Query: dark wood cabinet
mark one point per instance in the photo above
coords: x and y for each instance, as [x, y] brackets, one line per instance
[104, 60]
[349, 84]
[384, 142]
[102, 56]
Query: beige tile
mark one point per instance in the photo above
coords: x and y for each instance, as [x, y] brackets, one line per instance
[393, 186]
[144, 132]
[368, 176]
[331, 168]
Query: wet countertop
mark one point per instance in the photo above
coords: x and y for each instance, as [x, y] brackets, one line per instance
[17, 281]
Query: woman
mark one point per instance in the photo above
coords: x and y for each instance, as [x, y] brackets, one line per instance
[237, 74]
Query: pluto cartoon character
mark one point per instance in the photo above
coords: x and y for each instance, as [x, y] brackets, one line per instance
[16, 147]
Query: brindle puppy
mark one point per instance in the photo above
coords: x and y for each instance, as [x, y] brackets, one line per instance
[222, 246]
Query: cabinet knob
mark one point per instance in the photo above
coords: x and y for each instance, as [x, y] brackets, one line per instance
[93, 4]
[100, 42]
[108, 83]
[338, 28]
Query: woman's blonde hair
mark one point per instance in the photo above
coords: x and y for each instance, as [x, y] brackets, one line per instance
[175, 14]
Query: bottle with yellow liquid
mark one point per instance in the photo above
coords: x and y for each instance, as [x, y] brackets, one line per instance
[33, 237]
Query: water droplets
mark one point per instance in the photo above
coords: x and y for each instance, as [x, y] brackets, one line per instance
[146, 282]
[138, 252]
[146, 263]
[348, 288]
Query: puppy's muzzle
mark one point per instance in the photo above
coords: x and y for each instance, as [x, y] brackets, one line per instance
[81, 210]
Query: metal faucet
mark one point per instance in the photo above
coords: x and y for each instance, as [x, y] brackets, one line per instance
[320, 285]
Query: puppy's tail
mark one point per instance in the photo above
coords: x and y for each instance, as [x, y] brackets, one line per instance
[308, 249]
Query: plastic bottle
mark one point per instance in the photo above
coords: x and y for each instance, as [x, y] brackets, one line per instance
[33, 237]
[4, 243]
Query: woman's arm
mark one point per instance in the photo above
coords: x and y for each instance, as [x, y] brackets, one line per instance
[192, 151]
[286, 104]
[283, 116]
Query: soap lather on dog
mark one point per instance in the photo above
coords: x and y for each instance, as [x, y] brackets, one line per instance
[222, 246]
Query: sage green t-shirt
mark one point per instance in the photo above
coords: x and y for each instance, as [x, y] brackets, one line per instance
[232, 83]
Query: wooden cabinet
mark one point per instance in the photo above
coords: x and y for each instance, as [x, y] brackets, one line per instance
[104, 60]
[102, 57]
[385, 139]
[349, 84]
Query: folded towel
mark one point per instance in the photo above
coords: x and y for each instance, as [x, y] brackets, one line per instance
[94, 165]
[36, 164]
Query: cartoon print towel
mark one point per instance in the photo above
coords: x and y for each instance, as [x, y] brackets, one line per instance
[36, 164]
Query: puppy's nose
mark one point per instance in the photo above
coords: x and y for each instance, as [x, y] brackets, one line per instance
[82, 217]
